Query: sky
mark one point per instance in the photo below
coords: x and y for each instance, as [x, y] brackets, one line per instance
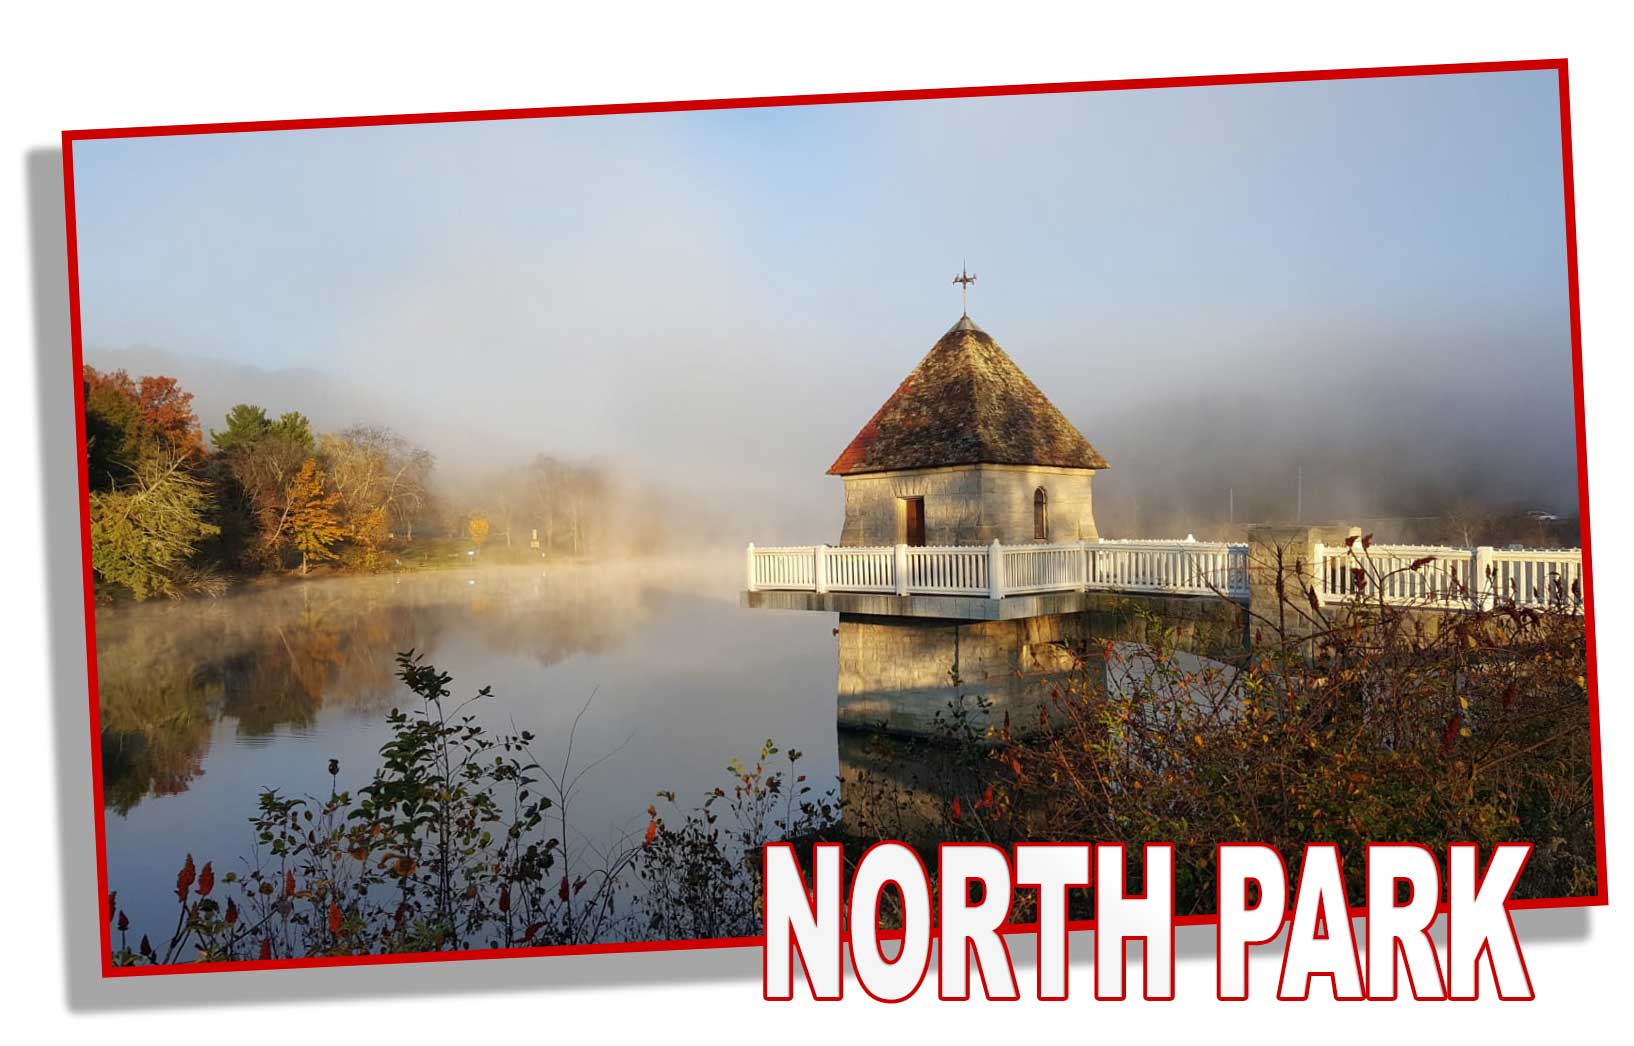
[1362, 281]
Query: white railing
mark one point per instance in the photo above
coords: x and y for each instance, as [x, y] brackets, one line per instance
[1537, 577]
[1404, 575]
[861, 569]
[1043, 568]
[995, 571]
[947, 570]
[1170, 566]
[1436, 575]
[782, 568]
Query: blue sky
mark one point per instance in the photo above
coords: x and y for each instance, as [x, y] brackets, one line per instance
[729, 295]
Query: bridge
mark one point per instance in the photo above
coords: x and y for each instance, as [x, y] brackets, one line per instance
[1002, 582]
[920, 627]
[969, 562]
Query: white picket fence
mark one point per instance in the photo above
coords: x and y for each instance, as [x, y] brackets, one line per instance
[1179, 567]
[1404, 575]
[1436, 575]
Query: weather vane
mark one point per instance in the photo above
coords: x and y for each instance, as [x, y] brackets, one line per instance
[964, 280]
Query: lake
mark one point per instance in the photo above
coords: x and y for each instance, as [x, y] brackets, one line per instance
[205, 703]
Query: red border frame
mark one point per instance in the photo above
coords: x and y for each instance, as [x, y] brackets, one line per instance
[70, 137]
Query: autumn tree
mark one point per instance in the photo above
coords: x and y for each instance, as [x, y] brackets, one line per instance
[381, 479]
[569, 504]
[167, 414]
[132, 421]
[142, 536]
[258, 459]
[313, 522]
[477, 527]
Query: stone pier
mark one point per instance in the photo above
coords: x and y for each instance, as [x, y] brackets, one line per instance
[906, 661]
[900, 673]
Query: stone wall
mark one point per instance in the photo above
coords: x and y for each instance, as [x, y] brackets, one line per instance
[1282, 570]
[899, 673]
[969, 505]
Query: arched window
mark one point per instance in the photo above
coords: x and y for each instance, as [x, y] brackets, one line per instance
[1041, 515]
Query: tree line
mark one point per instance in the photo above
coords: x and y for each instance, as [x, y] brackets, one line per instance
[174, 509]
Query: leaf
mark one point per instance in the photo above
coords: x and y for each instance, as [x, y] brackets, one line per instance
[184, 879]
[1450, 736]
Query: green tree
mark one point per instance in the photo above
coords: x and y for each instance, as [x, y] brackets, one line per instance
[246, 424]
[293, 426]
[256, 464]
[142, 536]
[313, 520]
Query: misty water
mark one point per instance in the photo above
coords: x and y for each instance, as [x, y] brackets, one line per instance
[205, 703]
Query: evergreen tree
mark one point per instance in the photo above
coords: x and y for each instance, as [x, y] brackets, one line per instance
[246, 424]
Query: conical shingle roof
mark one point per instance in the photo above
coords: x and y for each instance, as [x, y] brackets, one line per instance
[967, 403]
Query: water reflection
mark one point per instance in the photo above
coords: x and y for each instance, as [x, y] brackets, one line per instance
[277, 656]
[204, 704]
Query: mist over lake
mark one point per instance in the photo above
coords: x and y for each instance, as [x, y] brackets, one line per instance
[207, 702]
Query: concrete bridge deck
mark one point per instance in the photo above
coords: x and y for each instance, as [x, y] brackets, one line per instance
[923, 629]
[1333, 564]
[960, 608]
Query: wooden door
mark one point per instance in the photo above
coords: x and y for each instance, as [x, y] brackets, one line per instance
[914, 509]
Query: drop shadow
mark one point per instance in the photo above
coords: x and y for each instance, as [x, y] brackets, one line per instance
[86, 990]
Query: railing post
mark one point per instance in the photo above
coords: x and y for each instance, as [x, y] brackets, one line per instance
[1083, 566]
[1319, 567]
[751, 565]
[819, 568]
[1483, 588]
[902, 570]
[995, 570]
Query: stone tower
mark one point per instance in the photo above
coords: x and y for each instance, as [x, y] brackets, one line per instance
[967, 450]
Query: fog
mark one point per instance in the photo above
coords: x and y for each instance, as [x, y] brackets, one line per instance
[1224, 288]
